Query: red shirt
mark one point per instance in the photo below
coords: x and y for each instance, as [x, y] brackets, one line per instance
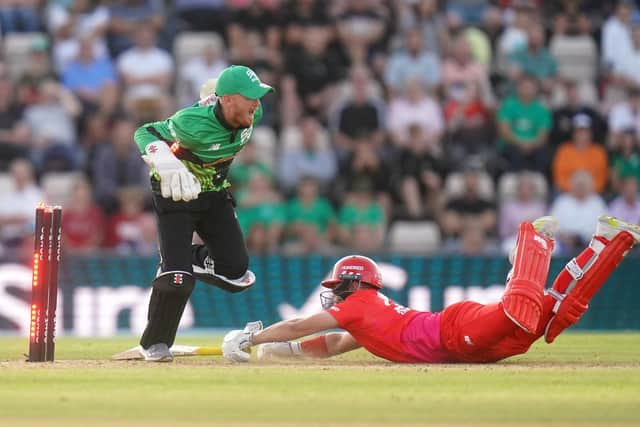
[80, 228]
[379, 324]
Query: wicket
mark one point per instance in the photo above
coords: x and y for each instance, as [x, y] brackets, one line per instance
[44, 283]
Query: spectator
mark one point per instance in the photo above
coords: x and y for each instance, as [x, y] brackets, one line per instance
[75, 20]
[202, 15]
[200, 68]
[525, 206]
[562, 129]
[419, 173]
[51, 121]
[248, 163]
[627, 206]
[17, 206]
[145, 64]
[616, 36]
[426, 17]
[581, 153]
[534, 60]
[470, 209]
[514, 35]
[414, 62]
[127, 17]
[83, 224]
[470, 11]
[364, 164]
[576, 53]
[14, 134]
[460, 71]
[362, 219]
[623, 116]
[312, 68]
[625, 162]
[416, 107]
[624, 72]
[261, 213]
[310, 220]
[310, 156]
[117, 164]
[470, 126]
[261, 17]
[361, 29]
[361, 115]
[92, 79]
[575, 211]
[523, 125]
[19, 17]
[131, 230]
[37, 69]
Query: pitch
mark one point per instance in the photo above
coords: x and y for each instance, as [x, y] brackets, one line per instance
[582, 379]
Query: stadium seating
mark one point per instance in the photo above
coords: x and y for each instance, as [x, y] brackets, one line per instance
[414, 237]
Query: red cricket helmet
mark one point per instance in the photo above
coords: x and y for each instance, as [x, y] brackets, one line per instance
[354, 267]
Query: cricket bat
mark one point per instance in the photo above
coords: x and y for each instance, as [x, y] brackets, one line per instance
[176, 350]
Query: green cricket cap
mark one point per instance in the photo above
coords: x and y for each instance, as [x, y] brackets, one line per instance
[242, 80]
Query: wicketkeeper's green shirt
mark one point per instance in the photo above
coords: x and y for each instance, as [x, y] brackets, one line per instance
[202, 132]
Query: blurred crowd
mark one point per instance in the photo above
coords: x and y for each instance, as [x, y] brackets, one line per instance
[472, 115]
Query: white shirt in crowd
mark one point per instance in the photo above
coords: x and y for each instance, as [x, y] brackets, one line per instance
[622, 117]
[616, 42]
[426, 113]
[19, 203]
[578, 217]
[145, 63]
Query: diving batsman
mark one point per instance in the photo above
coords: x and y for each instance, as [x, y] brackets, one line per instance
[189, 155]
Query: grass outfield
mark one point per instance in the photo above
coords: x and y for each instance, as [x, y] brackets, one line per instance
[582, 379]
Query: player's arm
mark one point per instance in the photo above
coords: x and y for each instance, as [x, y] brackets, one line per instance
[236, 342]
[292, 329]
[323, 346]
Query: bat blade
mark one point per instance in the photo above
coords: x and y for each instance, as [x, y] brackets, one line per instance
[134, 353]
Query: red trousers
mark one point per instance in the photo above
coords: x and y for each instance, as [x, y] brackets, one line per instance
[477, 333]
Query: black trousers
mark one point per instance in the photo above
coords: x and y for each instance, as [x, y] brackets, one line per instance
[212, 216]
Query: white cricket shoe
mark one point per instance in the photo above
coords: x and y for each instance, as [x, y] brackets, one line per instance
[608, 227]
[157, 353]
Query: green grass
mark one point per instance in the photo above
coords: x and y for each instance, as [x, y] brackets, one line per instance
[582, 379]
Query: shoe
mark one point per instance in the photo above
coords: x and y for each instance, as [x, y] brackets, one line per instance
[546, 225]
[157, 353]
[206, 273]
[608, 227]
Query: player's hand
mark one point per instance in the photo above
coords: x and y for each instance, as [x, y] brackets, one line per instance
[176, 182]
[236, 342]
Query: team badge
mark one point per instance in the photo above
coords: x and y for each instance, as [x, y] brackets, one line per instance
[178, 279]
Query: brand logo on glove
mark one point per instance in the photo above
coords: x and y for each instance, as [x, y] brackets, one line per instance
[177, 279]
[152, 149]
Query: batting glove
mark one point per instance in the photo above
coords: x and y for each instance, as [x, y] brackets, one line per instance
[236, 342]
[176, 182]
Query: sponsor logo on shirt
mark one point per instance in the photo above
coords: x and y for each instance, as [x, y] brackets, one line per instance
[245, 135]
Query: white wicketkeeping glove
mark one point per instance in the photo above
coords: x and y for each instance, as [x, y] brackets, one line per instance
[176, 181]
[236, 342]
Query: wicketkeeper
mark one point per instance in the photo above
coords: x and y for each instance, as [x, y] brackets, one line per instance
[463, 332]
[189, 155]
